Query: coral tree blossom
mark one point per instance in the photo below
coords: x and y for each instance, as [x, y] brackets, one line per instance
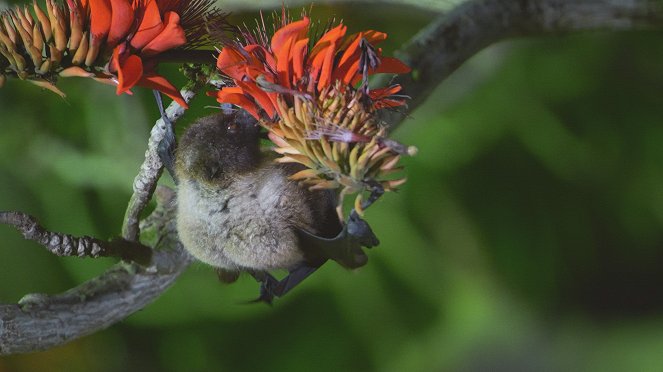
[120, 42]
[312, 94]
[262, 72]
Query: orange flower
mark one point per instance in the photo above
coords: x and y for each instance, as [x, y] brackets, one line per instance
[287, 66]
[155, 30]
[120, 42]
[312, 95]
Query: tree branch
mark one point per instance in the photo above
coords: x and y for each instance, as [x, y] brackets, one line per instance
[450, 40]
[39, 322]
[146, 180]
[242, 5]
[68, 245]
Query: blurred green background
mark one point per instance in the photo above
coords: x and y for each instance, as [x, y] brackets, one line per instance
[528, 238]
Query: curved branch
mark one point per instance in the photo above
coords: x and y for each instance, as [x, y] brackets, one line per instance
[242, 5]
[146, 180]
[439, 49]
[39, 322]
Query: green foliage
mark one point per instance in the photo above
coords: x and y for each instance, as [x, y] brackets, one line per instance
[528, 236]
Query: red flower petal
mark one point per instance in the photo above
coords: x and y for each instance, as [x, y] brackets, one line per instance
[232, 63]
[172, 36]
[239, 64]
[121, 21]
[259, 66]
[160, 83]
[382, 97]
[282, 43]
[295, 30]
[322, 55]
[388, 103]
[100, 17]
[172, 5]
[298, 56]
[261, 97]
[129, 72]
[235, 96]
[114, 63]
[374, 37]
[150, 25]
[389, 65]
[348, 66]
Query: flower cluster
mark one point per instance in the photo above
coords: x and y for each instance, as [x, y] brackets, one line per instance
[119, 42]
[311, 93]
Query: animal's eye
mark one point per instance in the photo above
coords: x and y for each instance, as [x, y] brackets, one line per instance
[233, 127]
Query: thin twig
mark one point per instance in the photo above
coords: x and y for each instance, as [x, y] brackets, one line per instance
[69, 245]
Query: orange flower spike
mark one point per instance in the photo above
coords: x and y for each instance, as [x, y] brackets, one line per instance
[323, 119]
[117, 42]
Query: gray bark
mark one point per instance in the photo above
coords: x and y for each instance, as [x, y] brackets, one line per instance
[39, 321]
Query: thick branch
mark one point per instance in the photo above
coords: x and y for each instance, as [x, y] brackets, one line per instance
[243, 5]
[439, 49]
[69, 245]
[40, 322]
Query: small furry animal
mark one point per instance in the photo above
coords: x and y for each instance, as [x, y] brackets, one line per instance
[237, 210]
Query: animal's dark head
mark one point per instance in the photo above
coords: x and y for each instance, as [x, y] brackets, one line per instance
[218, 146]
